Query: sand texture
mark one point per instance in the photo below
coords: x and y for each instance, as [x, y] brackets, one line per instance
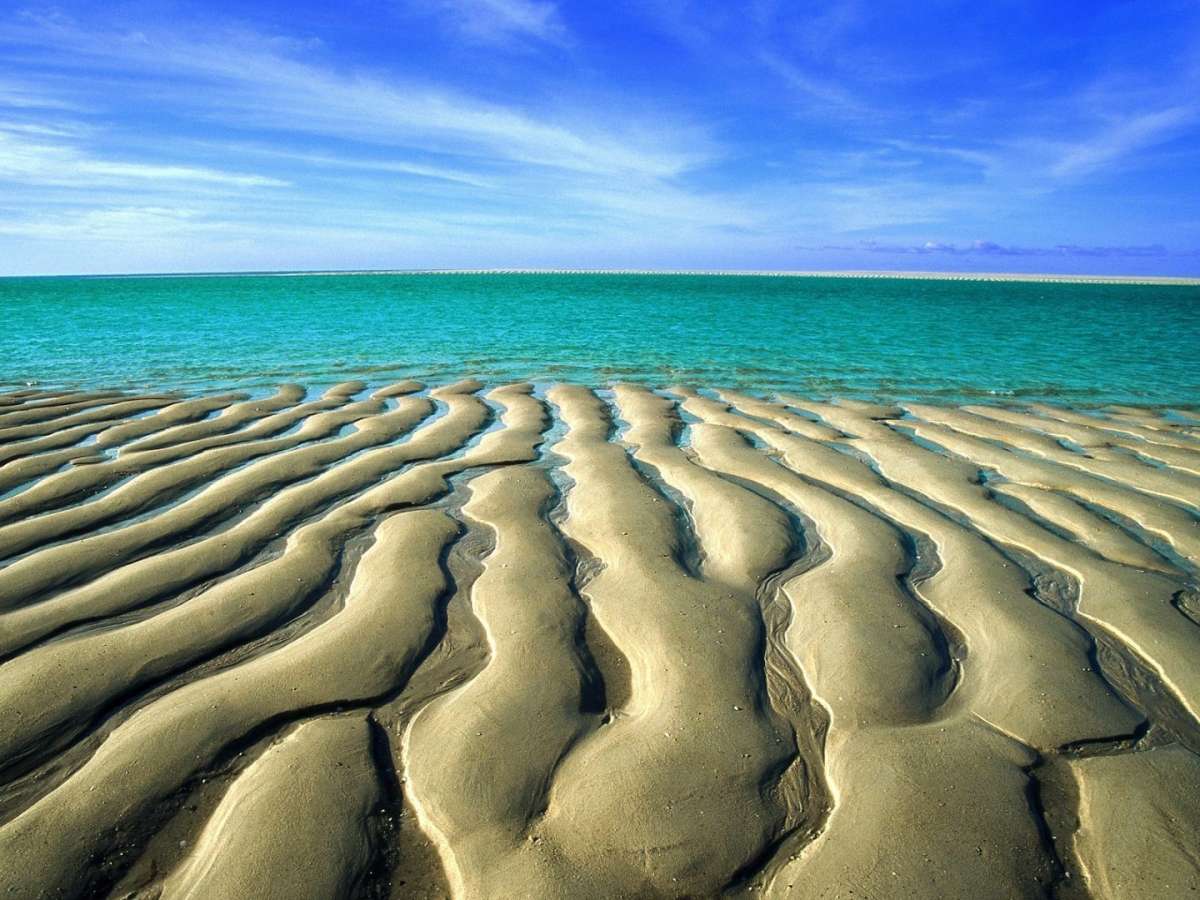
[504, 641]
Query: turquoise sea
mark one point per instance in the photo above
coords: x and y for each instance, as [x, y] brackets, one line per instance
[861, 337]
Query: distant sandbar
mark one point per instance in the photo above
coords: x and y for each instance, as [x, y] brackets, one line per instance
[758, 273]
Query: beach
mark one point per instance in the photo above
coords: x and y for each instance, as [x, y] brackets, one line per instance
[534, 450]
[468, 639]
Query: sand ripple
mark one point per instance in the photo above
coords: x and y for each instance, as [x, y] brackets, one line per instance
[505, 642]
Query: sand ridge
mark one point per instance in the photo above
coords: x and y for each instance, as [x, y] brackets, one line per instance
[478, 641]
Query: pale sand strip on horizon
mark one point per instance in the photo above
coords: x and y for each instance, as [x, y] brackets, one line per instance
[479, 641]
[1035, 277]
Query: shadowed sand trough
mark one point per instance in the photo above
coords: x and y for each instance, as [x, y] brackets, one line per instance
[506, 642]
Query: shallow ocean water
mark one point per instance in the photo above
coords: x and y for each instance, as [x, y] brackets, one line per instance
[862, 337]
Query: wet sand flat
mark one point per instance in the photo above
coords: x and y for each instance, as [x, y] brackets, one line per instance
[506, 640]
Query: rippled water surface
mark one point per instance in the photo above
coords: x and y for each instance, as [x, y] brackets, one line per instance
[867, 337]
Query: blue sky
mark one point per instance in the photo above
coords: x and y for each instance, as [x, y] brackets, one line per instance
[1007, 136]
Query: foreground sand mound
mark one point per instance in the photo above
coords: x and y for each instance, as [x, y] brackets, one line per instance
[506, 642]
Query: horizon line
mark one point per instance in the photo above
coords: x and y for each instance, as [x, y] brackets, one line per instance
[899, 274]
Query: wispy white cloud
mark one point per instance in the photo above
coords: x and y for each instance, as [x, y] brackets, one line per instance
[110, 224]
[254, 82]
[883, 203]
[40, 162]
[1035, 157]
[1016, 131]
[1122, 138]
[831, 94]
[17, 95]
[990, 160]
[486, 167]
[355, 162]
[42, 129]
[503, 21]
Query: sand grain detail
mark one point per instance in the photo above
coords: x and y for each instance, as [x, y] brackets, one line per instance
[478, 642]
